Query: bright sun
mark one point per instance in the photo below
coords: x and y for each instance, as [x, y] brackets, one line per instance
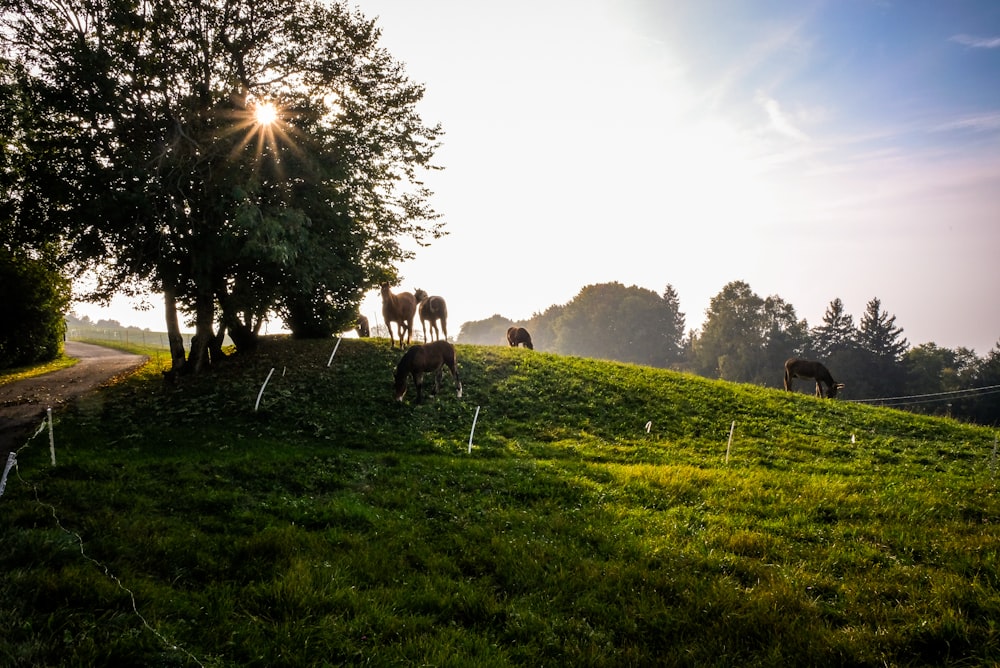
[266, 113]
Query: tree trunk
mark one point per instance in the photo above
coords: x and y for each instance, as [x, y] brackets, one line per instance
[174, 338]
[215, 347]
[241, 334]
[204, 332]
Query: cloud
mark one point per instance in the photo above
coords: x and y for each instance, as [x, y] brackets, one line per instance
[977, 42]
[780, 122]
[979, 123]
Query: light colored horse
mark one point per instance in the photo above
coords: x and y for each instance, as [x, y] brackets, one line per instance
[398, 309]
[800, 368]
[432, 309]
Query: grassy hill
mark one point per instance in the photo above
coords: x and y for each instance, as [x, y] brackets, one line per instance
[601, 518]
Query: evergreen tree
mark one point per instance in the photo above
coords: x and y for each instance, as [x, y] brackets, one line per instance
[882, 345]
[879, 335]
[673, 324]
[836, 334]
[835, 344]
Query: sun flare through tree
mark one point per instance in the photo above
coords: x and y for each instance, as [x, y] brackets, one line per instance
[265, 113]
[229, 180]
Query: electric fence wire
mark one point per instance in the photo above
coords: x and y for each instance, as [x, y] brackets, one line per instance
[79, 541]
[928, 398]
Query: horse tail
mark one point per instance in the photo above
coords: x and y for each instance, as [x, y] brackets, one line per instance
[440, 310]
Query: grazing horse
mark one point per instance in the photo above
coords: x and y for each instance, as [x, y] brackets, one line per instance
[420, 359]
[398, 309]
[799, 368]
[516, 335]
[363, 330]
[432, 309]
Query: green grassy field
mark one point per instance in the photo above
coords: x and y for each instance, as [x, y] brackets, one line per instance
[333, 526]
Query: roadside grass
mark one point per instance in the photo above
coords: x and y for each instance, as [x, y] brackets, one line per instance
[159, 356]
[334, 526]
[30, 371]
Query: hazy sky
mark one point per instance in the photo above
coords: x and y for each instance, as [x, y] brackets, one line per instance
[815, 150]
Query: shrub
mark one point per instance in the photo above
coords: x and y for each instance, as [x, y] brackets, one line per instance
[34, 297]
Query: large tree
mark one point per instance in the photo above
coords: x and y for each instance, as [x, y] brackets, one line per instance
[489, 332]
[145, 157]
[732, 339]
[746, 338]
[936, 378]
[612, 321]
[785, 336]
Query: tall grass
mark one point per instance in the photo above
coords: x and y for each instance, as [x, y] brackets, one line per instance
[334, 526]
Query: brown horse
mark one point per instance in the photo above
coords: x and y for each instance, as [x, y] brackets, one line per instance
[398, 309]
[799, 368]
[516, 335]
[432, 309]
[421, 359]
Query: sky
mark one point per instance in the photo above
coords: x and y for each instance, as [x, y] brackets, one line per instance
[815, 150]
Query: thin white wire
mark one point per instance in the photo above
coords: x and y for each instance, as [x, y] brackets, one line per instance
[105, 569]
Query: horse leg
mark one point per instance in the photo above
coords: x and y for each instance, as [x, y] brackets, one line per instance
[437, 379]
[454, 374]
[444, 327]
[819, 390]
[418, 380]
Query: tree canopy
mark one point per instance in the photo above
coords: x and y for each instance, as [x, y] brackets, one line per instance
[140, 153]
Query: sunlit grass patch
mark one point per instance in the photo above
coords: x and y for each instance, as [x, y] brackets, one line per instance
[23, 373]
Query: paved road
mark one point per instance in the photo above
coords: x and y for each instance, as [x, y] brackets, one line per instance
[23, 403]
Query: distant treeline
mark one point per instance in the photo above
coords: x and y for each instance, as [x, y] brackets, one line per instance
[746, 338]
[78, 328]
